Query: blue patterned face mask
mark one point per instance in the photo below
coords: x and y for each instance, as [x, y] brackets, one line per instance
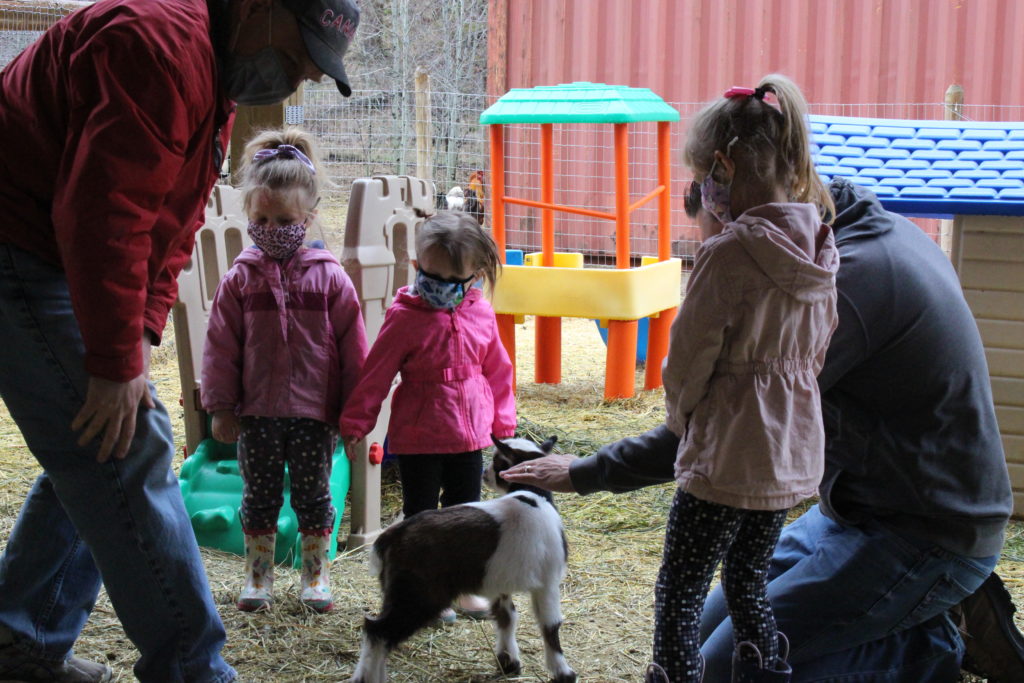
[716, 197]
[440, 292]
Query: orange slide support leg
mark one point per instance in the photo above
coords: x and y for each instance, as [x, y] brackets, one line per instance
[657, 346]
[620, 373]
[548, 337]
[507, 333]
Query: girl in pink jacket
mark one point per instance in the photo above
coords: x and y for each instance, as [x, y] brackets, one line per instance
[284, 346]
[740, 385]
[456, 389]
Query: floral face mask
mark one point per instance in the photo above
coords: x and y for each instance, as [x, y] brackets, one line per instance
[715, 196]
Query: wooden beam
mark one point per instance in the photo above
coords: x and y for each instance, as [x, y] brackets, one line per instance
[497, 48]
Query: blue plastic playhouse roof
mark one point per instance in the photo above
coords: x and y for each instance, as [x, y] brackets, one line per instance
[927, 167]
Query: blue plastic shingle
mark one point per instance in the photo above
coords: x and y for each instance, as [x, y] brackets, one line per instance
[908, 164]
[833, 170]
[955, 165]
[893, 132]
[902, 182]
[976, 174]
[1001, 183]
[848, 129]
[867, 142]
[913, 143]
[948, 183]
[980, 156]
[842, 151]
[959, 145]
[826, 139]
[882, 173]
[1002, 145]
[922, 192]
[983, 134]
[887, 153]
[883, 191]
[860, 162]
[1014, 156]
[928, 173]
[1018, 174]
[1000, 165]
[825, 160]
[863, 180]
[935, 154]
[1016, 195]
[973, 193]
[818, 128]
[1016, 134]
[939, 133]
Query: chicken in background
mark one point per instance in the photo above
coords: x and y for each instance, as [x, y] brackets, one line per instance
[470, 200]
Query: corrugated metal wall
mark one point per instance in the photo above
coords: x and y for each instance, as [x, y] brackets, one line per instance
[875, 58]
[839, 51]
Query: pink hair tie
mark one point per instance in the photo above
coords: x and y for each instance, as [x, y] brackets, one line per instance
[285, 152]
[737, 91]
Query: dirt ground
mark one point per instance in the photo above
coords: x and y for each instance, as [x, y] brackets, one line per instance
[607, 599]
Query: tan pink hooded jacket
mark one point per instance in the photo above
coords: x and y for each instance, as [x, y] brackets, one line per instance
[746, 347]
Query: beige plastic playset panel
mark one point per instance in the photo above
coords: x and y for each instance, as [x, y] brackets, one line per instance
[379, 246]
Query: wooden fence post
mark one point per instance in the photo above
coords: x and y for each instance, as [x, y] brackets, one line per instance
[424, 143]
[953, 111]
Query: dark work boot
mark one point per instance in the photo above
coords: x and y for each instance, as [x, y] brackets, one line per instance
[995, 648]
[755, 670]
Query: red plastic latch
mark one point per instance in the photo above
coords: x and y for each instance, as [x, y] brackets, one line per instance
[376, 453]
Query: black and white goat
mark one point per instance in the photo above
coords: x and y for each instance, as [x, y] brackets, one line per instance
[492, 548]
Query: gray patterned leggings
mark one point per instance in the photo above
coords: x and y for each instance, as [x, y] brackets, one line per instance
[264, 446]
[699, 535]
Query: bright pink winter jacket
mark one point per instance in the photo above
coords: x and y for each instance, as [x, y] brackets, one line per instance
[283, 341]
[456, 387]
[745, 351]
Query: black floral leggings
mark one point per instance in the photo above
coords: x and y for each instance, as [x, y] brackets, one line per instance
[699, 535]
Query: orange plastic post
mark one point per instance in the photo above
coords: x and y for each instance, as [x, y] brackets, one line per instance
[506, 323]
[620, 366]
[548, 333]
[497, 135]
[659, 327]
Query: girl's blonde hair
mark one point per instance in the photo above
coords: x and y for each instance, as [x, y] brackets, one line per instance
[458, 235]
[769, 145]
[281, 172]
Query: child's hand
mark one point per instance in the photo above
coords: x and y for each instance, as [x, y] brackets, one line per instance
[225, 426]
[350, 446]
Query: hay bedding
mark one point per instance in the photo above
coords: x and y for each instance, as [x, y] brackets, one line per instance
[607, 597]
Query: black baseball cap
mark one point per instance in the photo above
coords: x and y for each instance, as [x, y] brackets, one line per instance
[327, 27]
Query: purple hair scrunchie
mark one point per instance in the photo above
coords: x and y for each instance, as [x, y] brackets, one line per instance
[285, 152]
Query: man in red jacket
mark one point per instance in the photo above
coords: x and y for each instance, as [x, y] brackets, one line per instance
[113, 127]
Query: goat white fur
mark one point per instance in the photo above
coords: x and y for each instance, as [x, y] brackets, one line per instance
[493, 548]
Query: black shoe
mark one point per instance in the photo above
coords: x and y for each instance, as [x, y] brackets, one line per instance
[995, 648]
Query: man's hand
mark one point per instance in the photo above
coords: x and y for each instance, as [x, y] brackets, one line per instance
[111, 407]
[550, 472]
[225, 426]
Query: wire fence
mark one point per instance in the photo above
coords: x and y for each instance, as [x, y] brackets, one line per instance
[375, 131]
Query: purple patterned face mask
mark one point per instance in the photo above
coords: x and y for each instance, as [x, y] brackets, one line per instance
[715, 197]
[278, 241]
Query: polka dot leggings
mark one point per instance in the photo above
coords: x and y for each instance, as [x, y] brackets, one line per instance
[307, 446]
[699, 535]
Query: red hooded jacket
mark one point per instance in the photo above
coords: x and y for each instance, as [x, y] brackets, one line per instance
[110, 125]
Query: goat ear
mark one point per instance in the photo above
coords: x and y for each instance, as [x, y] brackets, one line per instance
[549, 444]
[500, 445]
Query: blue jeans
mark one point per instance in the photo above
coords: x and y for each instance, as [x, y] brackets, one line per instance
[859, 604]
[122, 522]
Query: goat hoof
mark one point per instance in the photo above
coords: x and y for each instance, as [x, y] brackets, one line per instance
[508, 665]
[569, 677]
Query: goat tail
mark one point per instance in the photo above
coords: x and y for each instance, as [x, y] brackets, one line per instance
[376, 562]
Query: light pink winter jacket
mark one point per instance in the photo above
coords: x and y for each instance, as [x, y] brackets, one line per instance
[746, 347]
[283, 341]
[456, 387]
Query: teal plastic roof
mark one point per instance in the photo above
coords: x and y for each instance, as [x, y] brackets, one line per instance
[579, 103]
